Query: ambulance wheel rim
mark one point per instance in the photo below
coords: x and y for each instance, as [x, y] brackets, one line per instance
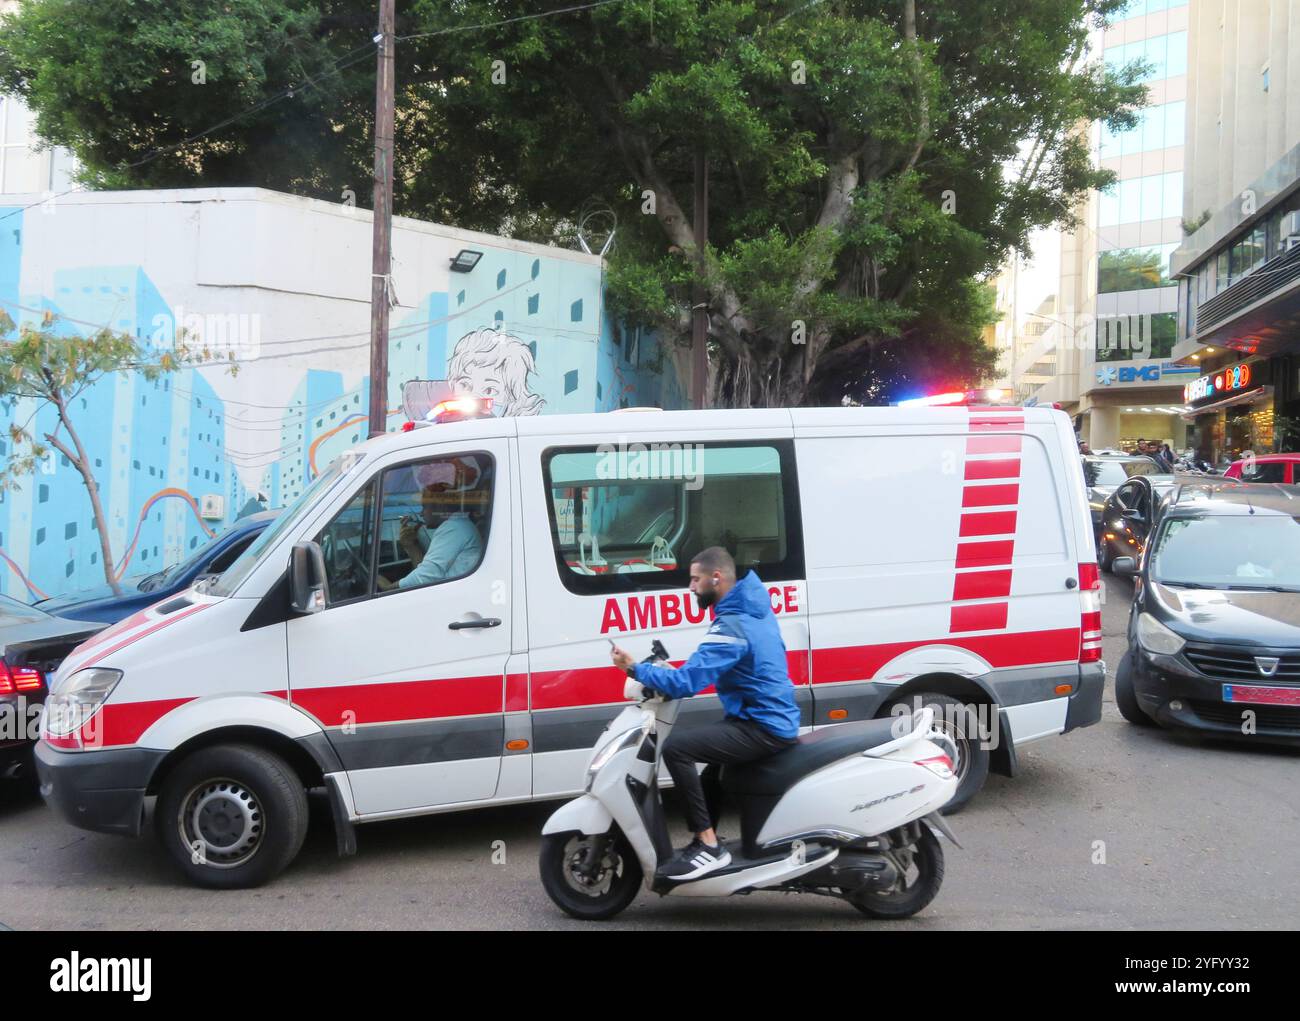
[221, 821]
[957, 744]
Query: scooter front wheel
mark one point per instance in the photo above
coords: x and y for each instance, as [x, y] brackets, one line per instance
[916, 887]
[588, 876]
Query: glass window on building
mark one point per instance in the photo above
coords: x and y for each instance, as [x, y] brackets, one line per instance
[1158, 127]
[1136, 337]
[1246, 254]
[1156, 197]
[1134, 269]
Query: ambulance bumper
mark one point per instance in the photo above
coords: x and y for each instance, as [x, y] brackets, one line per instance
[102, 791]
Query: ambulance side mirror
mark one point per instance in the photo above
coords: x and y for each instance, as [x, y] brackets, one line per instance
[309, 588]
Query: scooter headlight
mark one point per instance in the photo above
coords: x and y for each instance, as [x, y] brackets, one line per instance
[627, 740]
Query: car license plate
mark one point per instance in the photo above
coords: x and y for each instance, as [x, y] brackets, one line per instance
[1260, 695]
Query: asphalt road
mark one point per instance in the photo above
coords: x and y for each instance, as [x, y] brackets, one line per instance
[1194, 835]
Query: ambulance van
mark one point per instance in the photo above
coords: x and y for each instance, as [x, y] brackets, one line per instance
[427, 628]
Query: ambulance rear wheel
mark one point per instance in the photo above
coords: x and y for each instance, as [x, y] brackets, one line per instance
[232, 816]
[959, 722]
[592, 877]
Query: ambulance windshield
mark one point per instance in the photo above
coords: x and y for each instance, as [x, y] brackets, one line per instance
[286, 523]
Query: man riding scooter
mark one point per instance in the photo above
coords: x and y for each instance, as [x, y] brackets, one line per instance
[744, 657]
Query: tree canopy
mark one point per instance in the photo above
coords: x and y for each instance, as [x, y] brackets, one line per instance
[869, 160]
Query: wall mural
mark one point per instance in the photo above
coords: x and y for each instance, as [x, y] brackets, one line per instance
[528, 331]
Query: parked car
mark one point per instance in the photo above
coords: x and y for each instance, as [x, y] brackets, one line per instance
[32, 645]
[1214, 632]
[209, 560]
[327, 657]
[1103, 474]
[1127, 517]
[1265, 468]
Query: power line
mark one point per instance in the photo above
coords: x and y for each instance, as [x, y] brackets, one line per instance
[507, 21]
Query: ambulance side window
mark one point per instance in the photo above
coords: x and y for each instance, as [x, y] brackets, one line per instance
[630, 518]
[433, 520]
[347, 543]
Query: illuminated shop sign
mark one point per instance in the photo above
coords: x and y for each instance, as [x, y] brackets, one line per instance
[1216, 384]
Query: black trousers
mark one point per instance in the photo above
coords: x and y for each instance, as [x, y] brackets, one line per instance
[731, 741]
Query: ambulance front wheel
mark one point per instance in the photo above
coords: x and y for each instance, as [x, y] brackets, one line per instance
[232, 816]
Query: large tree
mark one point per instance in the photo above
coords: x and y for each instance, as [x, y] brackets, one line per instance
[869, 160]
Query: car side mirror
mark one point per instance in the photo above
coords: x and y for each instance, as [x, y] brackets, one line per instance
[1124, 566]
[309, 588]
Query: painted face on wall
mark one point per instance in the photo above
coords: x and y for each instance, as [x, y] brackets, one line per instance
[480, 381]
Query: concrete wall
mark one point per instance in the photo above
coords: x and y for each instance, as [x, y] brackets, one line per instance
[1237, 128]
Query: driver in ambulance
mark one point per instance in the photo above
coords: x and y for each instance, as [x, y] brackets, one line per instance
[446, 545]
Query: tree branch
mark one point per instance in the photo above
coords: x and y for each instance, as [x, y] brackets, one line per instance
[918, 75]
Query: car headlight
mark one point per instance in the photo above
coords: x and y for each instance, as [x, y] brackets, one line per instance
[76, 698]
[1155, 637]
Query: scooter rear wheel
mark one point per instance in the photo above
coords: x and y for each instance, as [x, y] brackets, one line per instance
[597, 893]
[916, 889]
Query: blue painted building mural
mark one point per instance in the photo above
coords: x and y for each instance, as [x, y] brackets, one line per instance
[527, 327]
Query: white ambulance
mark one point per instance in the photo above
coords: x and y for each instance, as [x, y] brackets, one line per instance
[426, 628]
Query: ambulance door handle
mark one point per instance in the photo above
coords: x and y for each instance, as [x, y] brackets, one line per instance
[461, 625]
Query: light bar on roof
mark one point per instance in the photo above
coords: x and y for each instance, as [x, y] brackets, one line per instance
[989, 395]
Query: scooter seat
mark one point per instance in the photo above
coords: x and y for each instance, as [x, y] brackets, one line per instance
[777, 773]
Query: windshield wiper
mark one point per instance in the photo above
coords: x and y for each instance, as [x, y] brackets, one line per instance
[1186, 584]
[1267, 588]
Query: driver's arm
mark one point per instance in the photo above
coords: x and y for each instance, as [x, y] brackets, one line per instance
[448, 542]
[722, 648]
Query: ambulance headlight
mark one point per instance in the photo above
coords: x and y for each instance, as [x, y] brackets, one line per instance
[627, 740]
[76, 698]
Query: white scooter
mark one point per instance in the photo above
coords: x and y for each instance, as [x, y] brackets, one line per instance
[849, 812]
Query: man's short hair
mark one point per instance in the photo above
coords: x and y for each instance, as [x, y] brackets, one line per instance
[715, 558]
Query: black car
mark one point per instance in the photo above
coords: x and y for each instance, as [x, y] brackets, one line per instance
[1214, 631]
[1127, 517]
[1104, 473]
[32, 645]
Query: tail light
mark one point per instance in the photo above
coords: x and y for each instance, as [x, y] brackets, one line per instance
[1090, 618]
[19, 680]
[939, 765]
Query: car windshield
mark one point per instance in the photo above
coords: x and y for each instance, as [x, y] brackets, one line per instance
[1229, 551]
[168, 574]
[1108, 472]
[243, 566]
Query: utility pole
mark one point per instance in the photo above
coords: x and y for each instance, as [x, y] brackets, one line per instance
[382, 258]
[700, 309]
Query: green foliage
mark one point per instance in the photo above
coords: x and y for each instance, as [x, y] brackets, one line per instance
[858, 181]
[52, 368]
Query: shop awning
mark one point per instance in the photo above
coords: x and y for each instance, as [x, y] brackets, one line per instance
[1249, 397]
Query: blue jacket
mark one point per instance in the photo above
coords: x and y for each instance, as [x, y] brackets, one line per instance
[744, 657]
